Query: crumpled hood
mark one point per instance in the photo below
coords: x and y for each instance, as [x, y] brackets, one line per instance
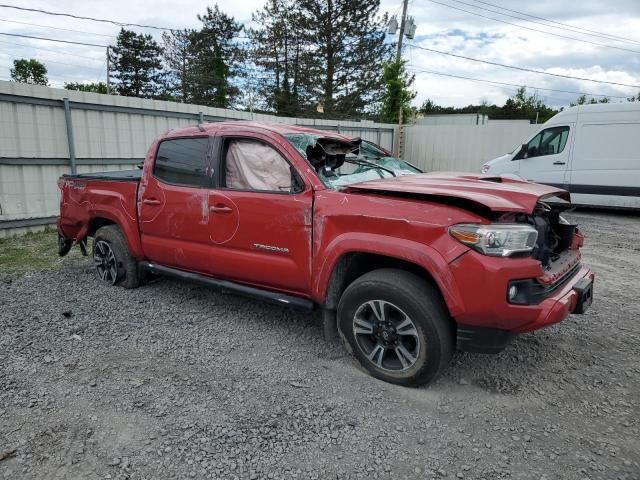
[496, 193]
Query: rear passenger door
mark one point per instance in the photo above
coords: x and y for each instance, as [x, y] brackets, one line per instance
[261, 215]
[174, 208]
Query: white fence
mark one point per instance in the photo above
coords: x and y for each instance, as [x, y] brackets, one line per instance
[45, 132]
[461, 147]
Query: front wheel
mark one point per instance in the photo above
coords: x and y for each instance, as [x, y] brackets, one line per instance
[397, 326]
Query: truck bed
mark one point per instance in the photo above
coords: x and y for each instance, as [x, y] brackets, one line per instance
[116, 176]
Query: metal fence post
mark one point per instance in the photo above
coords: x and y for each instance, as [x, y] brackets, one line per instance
[200, 117]
[379, 136]
[70, 142]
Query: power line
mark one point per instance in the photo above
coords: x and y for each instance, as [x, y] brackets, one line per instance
[60, 63]
[47, 50]
[563, 25]
[79, 17]
[533, 29]
[523, 69]
[418, 70]
[53, 40]
[57, 28]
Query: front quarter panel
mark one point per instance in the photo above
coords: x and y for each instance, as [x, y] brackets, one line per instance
[407, 229]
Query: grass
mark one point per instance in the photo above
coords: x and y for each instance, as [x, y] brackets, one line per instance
[30, 252]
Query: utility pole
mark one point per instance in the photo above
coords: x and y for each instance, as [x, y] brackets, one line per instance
[108, 74]
[403, 21]
[410, 28]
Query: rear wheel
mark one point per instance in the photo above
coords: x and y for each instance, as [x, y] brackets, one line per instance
[397, 327]
[114, 264]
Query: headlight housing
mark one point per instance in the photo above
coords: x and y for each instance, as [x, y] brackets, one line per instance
[485, 169]
[496, 239]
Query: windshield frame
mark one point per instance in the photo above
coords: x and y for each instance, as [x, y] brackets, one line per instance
[312, 140]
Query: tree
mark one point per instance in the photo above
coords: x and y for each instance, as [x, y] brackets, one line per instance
[346, 38]
[136, 65]
[277, 48]
[215, 60]
[29, 71]
[397, 93]
[96, 87]
[329, 53]
[582, 100]
[179, 58]
[519, 106]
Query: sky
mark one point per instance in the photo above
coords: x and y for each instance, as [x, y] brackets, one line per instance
[441, 25]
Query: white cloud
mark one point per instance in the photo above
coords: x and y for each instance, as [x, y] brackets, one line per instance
[439, 27]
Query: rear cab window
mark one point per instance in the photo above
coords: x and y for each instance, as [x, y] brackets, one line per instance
[183, 161]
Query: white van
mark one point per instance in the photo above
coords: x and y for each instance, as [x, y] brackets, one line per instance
[591, 150]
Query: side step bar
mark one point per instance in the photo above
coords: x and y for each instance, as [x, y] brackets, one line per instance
[273, 297]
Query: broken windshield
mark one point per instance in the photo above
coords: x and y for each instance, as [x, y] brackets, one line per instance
[365, 162]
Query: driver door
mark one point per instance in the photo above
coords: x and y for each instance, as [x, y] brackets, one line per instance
[261, 216]
[546, 156]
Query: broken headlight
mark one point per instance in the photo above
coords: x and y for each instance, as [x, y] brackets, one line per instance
[497, 239]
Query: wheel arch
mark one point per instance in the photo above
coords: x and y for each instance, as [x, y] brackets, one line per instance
[128, 229]
[356, 258]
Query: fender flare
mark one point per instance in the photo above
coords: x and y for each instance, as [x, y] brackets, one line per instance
[409, 251]
[129, 228]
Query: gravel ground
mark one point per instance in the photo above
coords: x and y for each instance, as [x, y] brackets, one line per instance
[176, 381]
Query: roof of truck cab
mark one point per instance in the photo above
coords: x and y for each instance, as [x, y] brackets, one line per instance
[230, 126]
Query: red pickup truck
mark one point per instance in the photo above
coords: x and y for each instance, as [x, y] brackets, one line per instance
[406, 266]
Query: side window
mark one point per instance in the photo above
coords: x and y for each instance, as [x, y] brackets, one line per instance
[182, 161]
[548, 142]
[253, 165]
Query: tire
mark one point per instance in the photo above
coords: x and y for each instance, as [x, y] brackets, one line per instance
[397, 326]
[111, 255]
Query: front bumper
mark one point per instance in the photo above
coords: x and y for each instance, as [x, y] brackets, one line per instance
[484, 282]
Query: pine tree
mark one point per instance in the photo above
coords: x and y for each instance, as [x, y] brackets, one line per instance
[216, 60]
[321, 52]
[278, 49]
[136, 66]
[179, 58]
[347, 38]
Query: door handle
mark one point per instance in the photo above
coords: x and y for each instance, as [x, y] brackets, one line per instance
[151, 201]
[558, 162]
[220, 209]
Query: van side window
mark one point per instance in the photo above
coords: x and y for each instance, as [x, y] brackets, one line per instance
[182, 161]
[548, 142]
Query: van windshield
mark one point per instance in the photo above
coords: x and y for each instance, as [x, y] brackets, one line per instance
[366, 162]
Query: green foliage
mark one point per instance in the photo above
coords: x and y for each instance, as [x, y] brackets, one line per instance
[136, 66]
[328, 53]
[397, 93]
[519, 106]
[29, 71]
[178, 57]
[30, 252]
[279, 48]
[582, 100]
[96, 87]
[214, 60]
